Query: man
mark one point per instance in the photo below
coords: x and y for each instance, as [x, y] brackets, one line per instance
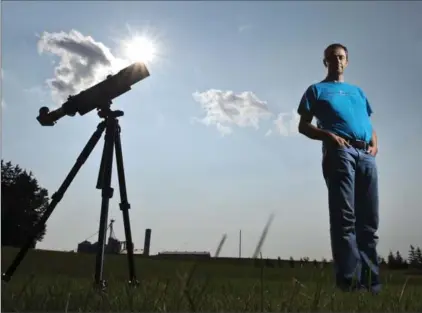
[349, 146]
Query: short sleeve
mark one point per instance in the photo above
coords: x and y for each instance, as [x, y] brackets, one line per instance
[368, 104]
[368, 107]
[307, 103]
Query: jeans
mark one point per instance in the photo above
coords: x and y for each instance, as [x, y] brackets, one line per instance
[352, 182]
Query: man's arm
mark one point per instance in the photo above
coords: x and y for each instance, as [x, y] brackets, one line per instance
[306, 128]
[306, 111]
[374, 139]
[373, 144]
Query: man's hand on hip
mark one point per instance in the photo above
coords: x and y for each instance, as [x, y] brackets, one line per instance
[338, 141]
[372, 150]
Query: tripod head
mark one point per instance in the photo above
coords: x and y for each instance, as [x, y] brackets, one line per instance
[106, 112]
[98, 96]
[110, 113]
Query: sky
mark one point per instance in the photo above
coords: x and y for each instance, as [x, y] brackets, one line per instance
[210, 141]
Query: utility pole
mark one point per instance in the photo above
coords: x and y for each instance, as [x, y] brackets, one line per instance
[240, 244]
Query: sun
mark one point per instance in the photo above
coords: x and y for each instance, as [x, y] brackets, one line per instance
[139, 46]
[139, 49]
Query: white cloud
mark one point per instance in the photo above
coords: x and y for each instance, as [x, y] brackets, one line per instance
[82, 62]
[286, 123]
[225, 109]
[269, 133]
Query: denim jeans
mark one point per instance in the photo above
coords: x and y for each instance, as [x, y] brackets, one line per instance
[352, 181]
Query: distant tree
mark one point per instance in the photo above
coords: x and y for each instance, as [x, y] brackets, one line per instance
[23, 202]
[396, 261]
[391, 260]
[279, 263]
[292, 262]
[413, 261]
[381, 260]
[269, 263]
[399, 258]
[418, 257]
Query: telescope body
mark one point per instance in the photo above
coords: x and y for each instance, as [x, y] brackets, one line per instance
[97, 96]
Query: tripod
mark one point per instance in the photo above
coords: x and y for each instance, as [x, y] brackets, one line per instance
[111, 140]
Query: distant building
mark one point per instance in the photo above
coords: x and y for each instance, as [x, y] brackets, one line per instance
[113, 246]
[85, 247]
[185, 254]
[147, 242]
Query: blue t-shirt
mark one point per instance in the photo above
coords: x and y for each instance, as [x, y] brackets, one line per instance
[339, 108]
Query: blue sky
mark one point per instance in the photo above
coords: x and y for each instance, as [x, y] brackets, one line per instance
[192, 173]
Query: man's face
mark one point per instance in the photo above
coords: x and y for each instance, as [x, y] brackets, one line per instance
[336, 61]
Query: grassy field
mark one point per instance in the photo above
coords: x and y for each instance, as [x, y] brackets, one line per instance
[54, 281]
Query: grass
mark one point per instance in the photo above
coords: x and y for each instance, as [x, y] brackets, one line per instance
[57, 281]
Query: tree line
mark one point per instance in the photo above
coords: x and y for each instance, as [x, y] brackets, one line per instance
[395, 261]
[24, 201]
[413, 260]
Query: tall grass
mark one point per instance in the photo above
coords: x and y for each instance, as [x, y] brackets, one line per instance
[54, 281]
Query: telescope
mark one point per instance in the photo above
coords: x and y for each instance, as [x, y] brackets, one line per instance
[97, 96]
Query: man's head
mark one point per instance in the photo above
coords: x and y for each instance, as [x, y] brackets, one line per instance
[336, 58]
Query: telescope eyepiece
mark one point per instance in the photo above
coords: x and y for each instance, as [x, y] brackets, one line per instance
[44, 111]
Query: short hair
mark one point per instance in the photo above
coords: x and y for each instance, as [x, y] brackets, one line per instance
[334, 46]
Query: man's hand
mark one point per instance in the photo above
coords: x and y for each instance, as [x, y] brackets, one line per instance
[373, 144]
[373, 150]
[338, 141]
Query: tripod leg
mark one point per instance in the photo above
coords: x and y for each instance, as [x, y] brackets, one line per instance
[100, 179]
[107, 193]
[124, 207]
[55, 199]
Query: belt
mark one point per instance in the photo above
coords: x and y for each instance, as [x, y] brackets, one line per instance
[358, 144]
